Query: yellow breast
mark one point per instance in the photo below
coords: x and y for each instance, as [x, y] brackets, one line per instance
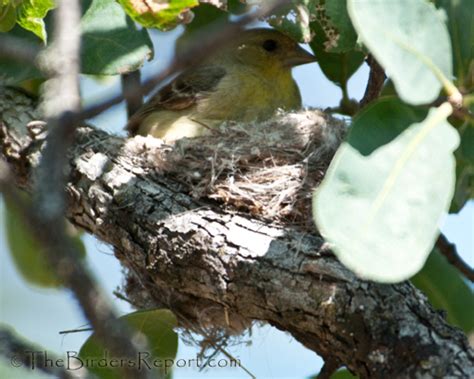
[242, 95]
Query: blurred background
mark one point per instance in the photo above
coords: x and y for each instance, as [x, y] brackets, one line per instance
[41, 314]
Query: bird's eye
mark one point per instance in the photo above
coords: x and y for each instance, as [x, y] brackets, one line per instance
[270, 45]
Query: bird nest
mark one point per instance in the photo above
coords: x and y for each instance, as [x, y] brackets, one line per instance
[267, 169]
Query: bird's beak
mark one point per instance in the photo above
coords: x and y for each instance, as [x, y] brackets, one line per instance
[298, 57]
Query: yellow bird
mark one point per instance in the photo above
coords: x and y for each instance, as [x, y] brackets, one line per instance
[247, 80]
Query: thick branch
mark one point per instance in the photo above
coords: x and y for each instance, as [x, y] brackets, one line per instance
[217, 268]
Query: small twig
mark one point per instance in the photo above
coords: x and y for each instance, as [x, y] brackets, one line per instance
[209, 341]
[69, 331]
[131, 91]
[232, 358]
[17, 49]
[122, 297]
[45, 219]
[375, 83]
[23, 356]
[449, 250]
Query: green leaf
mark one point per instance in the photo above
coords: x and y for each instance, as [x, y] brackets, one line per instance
[236, 6]
[32, 86]
[464, 185]
[12, 73]
[207, 16]
[345, 37]
[293, 19]
[338, 67]
[343, 374]
[446, 289]
[467, 142]
[111, 43]
[461, 29]
[335, 25]
[31, 14]
[410, 40]
[464, 168]
[381, 211]
[162, 15]
[204, 16]
[381, 122]
[7, 17]
[157, 325]
[340, 374]
[27, 254]
[388, 89]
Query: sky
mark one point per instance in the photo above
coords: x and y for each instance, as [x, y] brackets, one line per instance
[40, 314]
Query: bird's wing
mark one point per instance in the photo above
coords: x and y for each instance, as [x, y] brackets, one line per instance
[182, 93]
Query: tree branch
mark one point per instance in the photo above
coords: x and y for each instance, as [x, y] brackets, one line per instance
[131, 91]
[220, 269]
[16, 48]
[450, 252]
[21, 354]
[45, 218]
[375, 83]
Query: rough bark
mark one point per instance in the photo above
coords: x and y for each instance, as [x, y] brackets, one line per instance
[216, 267]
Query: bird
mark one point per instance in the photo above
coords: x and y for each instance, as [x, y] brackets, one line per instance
[247, 80]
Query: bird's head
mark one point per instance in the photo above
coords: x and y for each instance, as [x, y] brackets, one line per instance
[268, 49]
